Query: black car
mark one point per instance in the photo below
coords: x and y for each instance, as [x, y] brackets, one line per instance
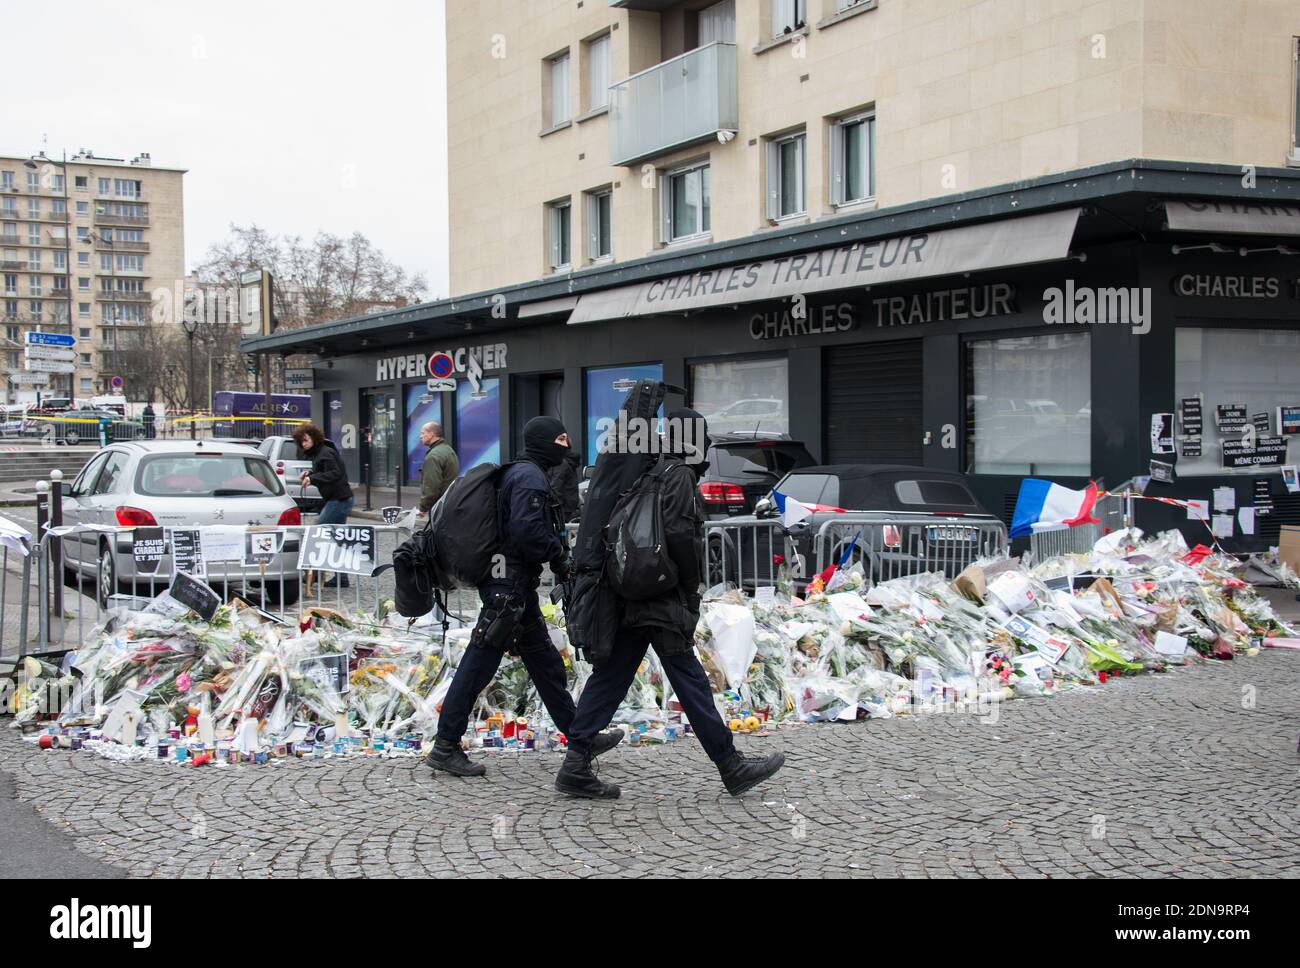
[906, 519]
[743, 469]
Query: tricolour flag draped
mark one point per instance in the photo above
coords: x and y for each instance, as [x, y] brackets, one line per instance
[792, 511]
[1044, 506]
[829, 573]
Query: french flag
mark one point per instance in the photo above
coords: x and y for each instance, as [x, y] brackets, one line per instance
[792, 511]
[829, 573]
[1044, 506]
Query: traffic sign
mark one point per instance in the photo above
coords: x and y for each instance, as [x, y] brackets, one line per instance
[440, 365]
[50, 339]
[116, 383]
[56, 353]
[27, 378]
[51, 366]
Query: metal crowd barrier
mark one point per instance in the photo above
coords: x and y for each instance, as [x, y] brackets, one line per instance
[58, 612]
[1114, 511]
[750, 552]
[898, 546]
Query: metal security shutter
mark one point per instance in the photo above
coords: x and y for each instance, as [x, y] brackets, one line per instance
[873, 403]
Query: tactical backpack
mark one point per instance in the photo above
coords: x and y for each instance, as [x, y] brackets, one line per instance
[639, 566]
[415, 586]
[466, 528]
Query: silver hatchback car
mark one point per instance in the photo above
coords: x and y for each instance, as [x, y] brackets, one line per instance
[176, 484]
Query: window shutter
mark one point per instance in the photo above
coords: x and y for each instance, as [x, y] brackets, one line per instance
[592, 215]
[837, 163]
[802, 188]
[553, 235]
[773, 180]
[870, 175]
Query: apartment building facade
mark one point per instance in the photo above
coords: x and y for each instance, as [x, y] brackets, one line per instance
[993, 236]
[84, 242]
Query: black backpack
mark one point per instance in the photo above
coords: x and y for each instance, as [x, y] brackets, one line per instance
[465, 528]
[414, 568]
[639, 566]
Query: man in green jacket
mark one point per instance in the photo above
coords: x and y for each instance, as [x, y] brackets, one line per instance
[441, 466]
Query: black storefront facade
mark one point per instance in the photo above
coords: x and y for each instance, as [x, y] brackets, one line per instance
[1152, 283]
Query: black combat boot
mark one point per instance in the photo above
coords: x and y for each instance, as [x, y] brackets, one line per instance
[740, 773]
[450, 758]
[606, 741]
[577, 779]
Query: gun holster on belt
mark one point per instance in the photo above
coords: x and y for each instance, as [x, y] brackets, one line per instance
[498, 623]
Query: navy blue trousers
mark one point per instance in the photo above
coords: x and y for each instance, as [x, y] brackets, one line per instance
[608, 686]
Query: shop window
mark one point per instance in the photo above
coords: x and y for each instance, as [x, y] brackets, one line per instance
[478, 423]
[786, 194]
[853, 159]
[606, 390]
[421, 407]
[743, 396]
[1258, 369]
[1029, 405]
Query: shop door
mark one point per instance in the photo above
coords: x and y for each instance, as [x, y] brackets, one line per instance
[873, 403]
[382, 447]
[535, 396]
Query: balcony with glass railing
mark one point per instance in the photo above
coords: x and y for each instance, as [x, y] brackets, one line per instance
[680, 102]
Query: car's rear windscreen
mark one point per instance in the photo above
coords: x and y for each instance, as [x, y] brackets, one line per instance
[737, 461]
[207, 475]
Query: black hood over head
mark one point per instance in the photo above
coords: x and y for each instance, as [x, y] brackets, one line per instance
[686, 435]
[539, 441]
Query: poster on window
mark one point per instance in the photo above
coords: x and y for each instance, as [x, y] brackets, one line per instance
[421, 408]
[1267, 452]
[1231, 418]
[607, 388]
[1162, 433]
[1288, 421]
[478, 423]
[1189, 414]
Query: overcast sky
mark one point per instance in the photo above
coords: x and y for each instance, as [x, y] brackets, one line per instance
[299, 115]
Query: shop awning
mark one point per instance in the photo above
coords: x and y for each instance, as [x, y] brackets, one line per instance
[547, 307]
[992, 245]
[1233, 218]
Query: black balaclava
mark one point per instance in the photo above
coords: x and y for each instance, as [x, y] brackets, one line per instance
[539, 441]
[687, 436]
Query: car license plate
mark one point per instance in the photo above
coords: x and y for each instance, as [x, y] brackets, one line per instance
[950, 533]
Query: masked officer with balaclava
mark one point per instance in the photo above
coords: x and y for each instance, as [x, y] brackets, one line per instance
[668, 623]
[511, 619]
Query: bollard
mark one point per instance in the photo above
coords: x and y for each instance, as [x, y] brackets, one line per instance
[398, 478]
[56, 545]
[42, 600]
[365, 470]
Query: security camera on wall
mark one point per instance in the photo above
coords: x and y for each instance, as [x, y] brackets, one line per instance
[726, 137]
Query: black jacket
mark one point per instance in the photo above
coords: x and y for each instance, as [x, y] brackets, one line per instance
[563, 478]
[328, 474]
[529, 524]
[676, 612]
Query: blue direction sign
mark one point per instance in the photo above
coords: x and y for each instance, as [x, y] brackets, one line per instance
[50, 339]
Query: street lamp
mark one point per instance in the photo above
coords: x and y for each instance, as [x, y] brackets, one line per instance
[191, 324]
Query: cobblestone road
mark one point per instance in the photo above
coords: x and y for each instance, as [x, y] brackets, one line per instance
[1151, 776]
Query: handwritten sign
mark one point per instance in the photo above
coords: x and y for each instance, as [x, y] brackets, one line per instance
[194, 594]
[187, 552]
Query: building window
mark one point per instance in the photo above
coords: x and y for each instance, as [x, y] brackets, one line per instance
[853, 159]
[81, 181]
[1295, 113]
[743, 396]
[558, 69]
[83, 208]
[58, 207]
[59, 186]
[126, 188]
[33, 182]
[1028, 405]
[61, 261]
[83, 234]
[83, 258]
[33, 258]
[6, 181]
[83, 284]
[685, 198]
[87, 384]
[11, 284]
[559, 235]
[83, 309]
[842, 5]
[130, 263]
[717, 23]
[34, 284]
[13, 333]
[85, 359]
[105, 262]
[84, 331]
[788, 16]
[786, 195]
[600, 239]
[598, 72]
[104, 185]
[1258, 369]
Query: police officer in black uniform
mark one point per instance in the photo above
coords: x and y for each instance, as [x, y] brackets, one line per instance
[511, 619]
[666, 622]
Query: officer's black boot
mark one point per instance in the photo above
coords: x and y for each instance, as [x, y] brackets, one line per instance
[740, 773]
[606, 741]
[450, 758]
[577, 779]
